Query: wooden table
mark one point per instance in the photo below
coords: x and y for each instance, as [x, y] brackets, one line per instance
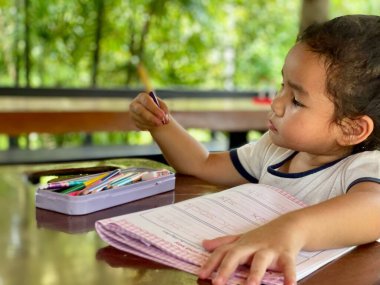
[42, 247]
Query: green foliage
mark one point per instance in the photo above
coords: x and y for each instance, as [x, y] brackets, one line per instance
[253, 136]
[339, 7]
[181, 43]
[115, 138]
[213, 44]
[201, 135]
[4, 144]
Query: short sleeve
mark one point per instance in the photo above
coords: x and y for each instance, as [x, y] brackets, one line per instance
[361, 167]
[248, 159]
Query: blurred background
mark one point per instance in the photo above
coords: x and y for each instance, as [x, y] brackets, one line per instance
[92, 57]
[228, 45]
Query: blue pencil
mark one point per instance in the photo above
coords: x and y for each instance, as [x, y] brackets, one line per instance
[128, 180]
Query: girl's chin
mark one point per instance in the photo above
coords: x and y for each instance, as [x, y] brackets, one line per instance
[277, 139]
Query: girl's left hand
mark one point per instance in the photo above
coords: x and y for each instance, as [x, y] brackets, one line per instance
[272, 246]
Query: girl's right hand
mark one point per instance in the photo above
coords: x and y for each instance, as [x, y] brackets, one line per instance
[146, 114]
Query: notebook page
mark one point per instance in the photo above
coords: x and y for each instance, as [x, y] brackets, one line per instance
[183, 226]
[177, 230]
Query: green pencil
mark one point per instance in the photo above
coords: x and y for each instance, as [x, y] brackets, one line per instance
[73, 188]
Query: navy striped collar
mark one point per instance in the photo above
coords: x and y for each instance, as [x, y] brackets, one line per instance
[272, 169]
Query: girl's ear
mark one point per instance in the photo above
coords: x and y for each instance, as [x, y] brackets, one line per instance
[355, 131]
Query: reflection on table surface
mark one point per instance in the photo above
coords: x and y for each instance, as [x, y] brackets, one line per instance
[42, 247]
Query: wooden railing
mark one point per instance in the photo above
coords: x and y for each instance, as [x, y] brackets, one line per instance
[17, 123]
[13, 123]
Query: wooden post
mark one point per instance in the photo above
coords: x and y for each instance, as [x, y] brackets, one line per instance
[313, 11]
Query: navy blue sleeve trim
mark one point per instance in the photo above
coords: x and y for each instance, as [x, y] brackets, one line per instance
[363, 179]
[239, 167]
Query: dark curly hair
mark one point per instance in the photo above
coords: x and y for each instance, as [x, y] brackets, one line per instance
[350, 46]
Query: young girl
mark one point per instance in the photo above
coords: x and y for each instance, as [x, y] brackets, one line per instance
[322, 146]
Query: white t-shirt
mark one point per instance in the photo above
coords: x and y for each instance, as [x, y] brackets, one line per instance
[259, 162]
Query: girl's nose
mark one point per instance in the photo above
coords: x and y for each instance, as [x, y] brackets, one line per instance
[278, 106]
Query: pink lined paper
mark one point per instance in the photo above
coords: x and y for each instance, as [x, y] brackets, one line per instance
[172, 234]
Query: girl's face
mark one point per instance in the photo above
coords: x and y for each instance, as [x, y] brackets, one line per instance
[302, 115]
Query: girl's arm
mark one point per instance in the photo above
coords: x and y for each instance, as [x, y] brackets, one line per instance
[180, 149]
[347, 220]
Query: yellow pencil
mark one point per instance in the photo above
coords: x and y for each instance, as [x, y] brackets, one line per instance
[96, 178]
[82, 186]
[92, 181]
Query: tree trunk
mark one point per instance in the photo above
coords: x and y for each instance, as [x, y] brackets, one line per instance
[130, 65]
[16, 40]
[27, 43]
[137, 48]
[313, 11]
[98, 35]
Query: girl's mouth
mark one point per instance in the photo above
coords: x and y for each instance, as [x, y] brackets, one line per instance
[271, 126]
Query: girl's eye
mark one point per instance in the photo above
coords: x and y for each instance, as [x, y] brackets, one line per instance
[296, 103]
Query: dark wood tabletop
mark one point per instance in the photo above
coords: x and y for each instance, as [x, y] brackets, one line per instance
[44, 247]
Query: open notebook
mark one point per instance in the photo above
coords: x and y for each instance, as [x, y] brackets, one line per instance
[172, 234]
